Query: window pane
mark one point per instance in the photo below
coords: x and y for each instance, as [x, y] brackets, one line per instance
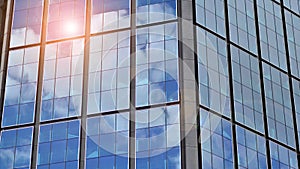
[251, 149]
[156, 80]
[242, 23]
[211, 15]
[62, 84]
[109, 15]
[155, 11]
[56, 148]
[271, 33]
[216, 141]
[109, 72]
[246, 89]
[20, 89]
[293, 35]
[27, 21]
[65, 19]
[282, 157]
[278, 105]
[107, 141]
[293, 5]
[213, 73]
[157, 138]
[15, 148]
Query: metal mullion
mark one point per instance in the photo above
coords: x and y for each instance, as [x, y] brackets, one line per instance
[132, 102]
[294, 114]
[6, 50]
[180, 86]
[65, 39]
[25, 46]
[39, 86]
[197, 84]
[230, 76]
[263, 96]
[83, 117]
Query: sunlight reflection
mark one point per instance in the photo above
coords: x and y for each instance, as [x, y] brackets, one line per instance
[71, 27]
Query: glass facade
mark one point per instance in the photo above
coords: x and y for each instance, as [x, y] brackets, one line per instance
[122, 84]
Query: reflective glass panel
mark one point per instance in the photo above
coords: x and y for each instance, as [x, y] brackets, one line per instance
[58, 145]
[62, 83]
[27, 21]
[157, 65]
[66, 18]
[109, 72]
[293, 34]
[251, 150]
[108, 15]
[216, 141]
[294, 5]
[246, 89]
[210, 14]
[158, 138]
[15, 148]
[150, 11]
[296, 90]
[278, 104]
[242, 24]
[20, 87]
[213, 73]
[108, 142]
[271, 33]
[282, 157]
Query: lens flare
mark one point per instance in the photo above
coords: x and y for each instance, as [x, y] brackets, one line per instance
[71, 27]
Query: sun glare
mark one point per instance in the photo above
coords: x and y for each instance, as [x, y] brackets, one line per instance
[71, 27]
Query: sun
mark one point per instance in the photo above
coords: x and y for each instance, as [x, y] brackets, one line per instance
[70, 27]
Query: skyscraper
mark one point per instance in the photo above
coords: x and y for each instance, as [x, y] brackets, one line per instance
[149, 84]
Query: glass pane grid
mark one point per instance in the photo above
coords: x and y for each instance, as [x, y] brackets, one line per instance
[157, 82]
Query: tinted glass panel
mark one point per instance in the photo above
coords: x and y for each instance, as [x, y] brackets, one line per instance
[251, 150]
[20, 88]
[157, 65]
[213, 73]
[107, 15]
[158, 138]
[271, 33]
[150, 11]
[282, 157]
[293, 34]
[58, 145]
[107, 142]
[62, 83]
[26, 25]
[296, 90]
[216, 141]
[278, 103]
[294, 5]
[242, 23]
[65, 19]
[15, 148]
[246, 89]
[210, 13]
[109, 72]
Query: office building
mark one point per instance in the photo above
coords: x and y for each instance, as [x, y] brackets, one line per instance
[149, 84]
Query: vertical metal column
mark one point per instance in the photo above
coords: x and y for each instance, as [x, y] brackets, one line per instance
[188, 87]
[132, 105]
[7, 8]
[86, 57]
